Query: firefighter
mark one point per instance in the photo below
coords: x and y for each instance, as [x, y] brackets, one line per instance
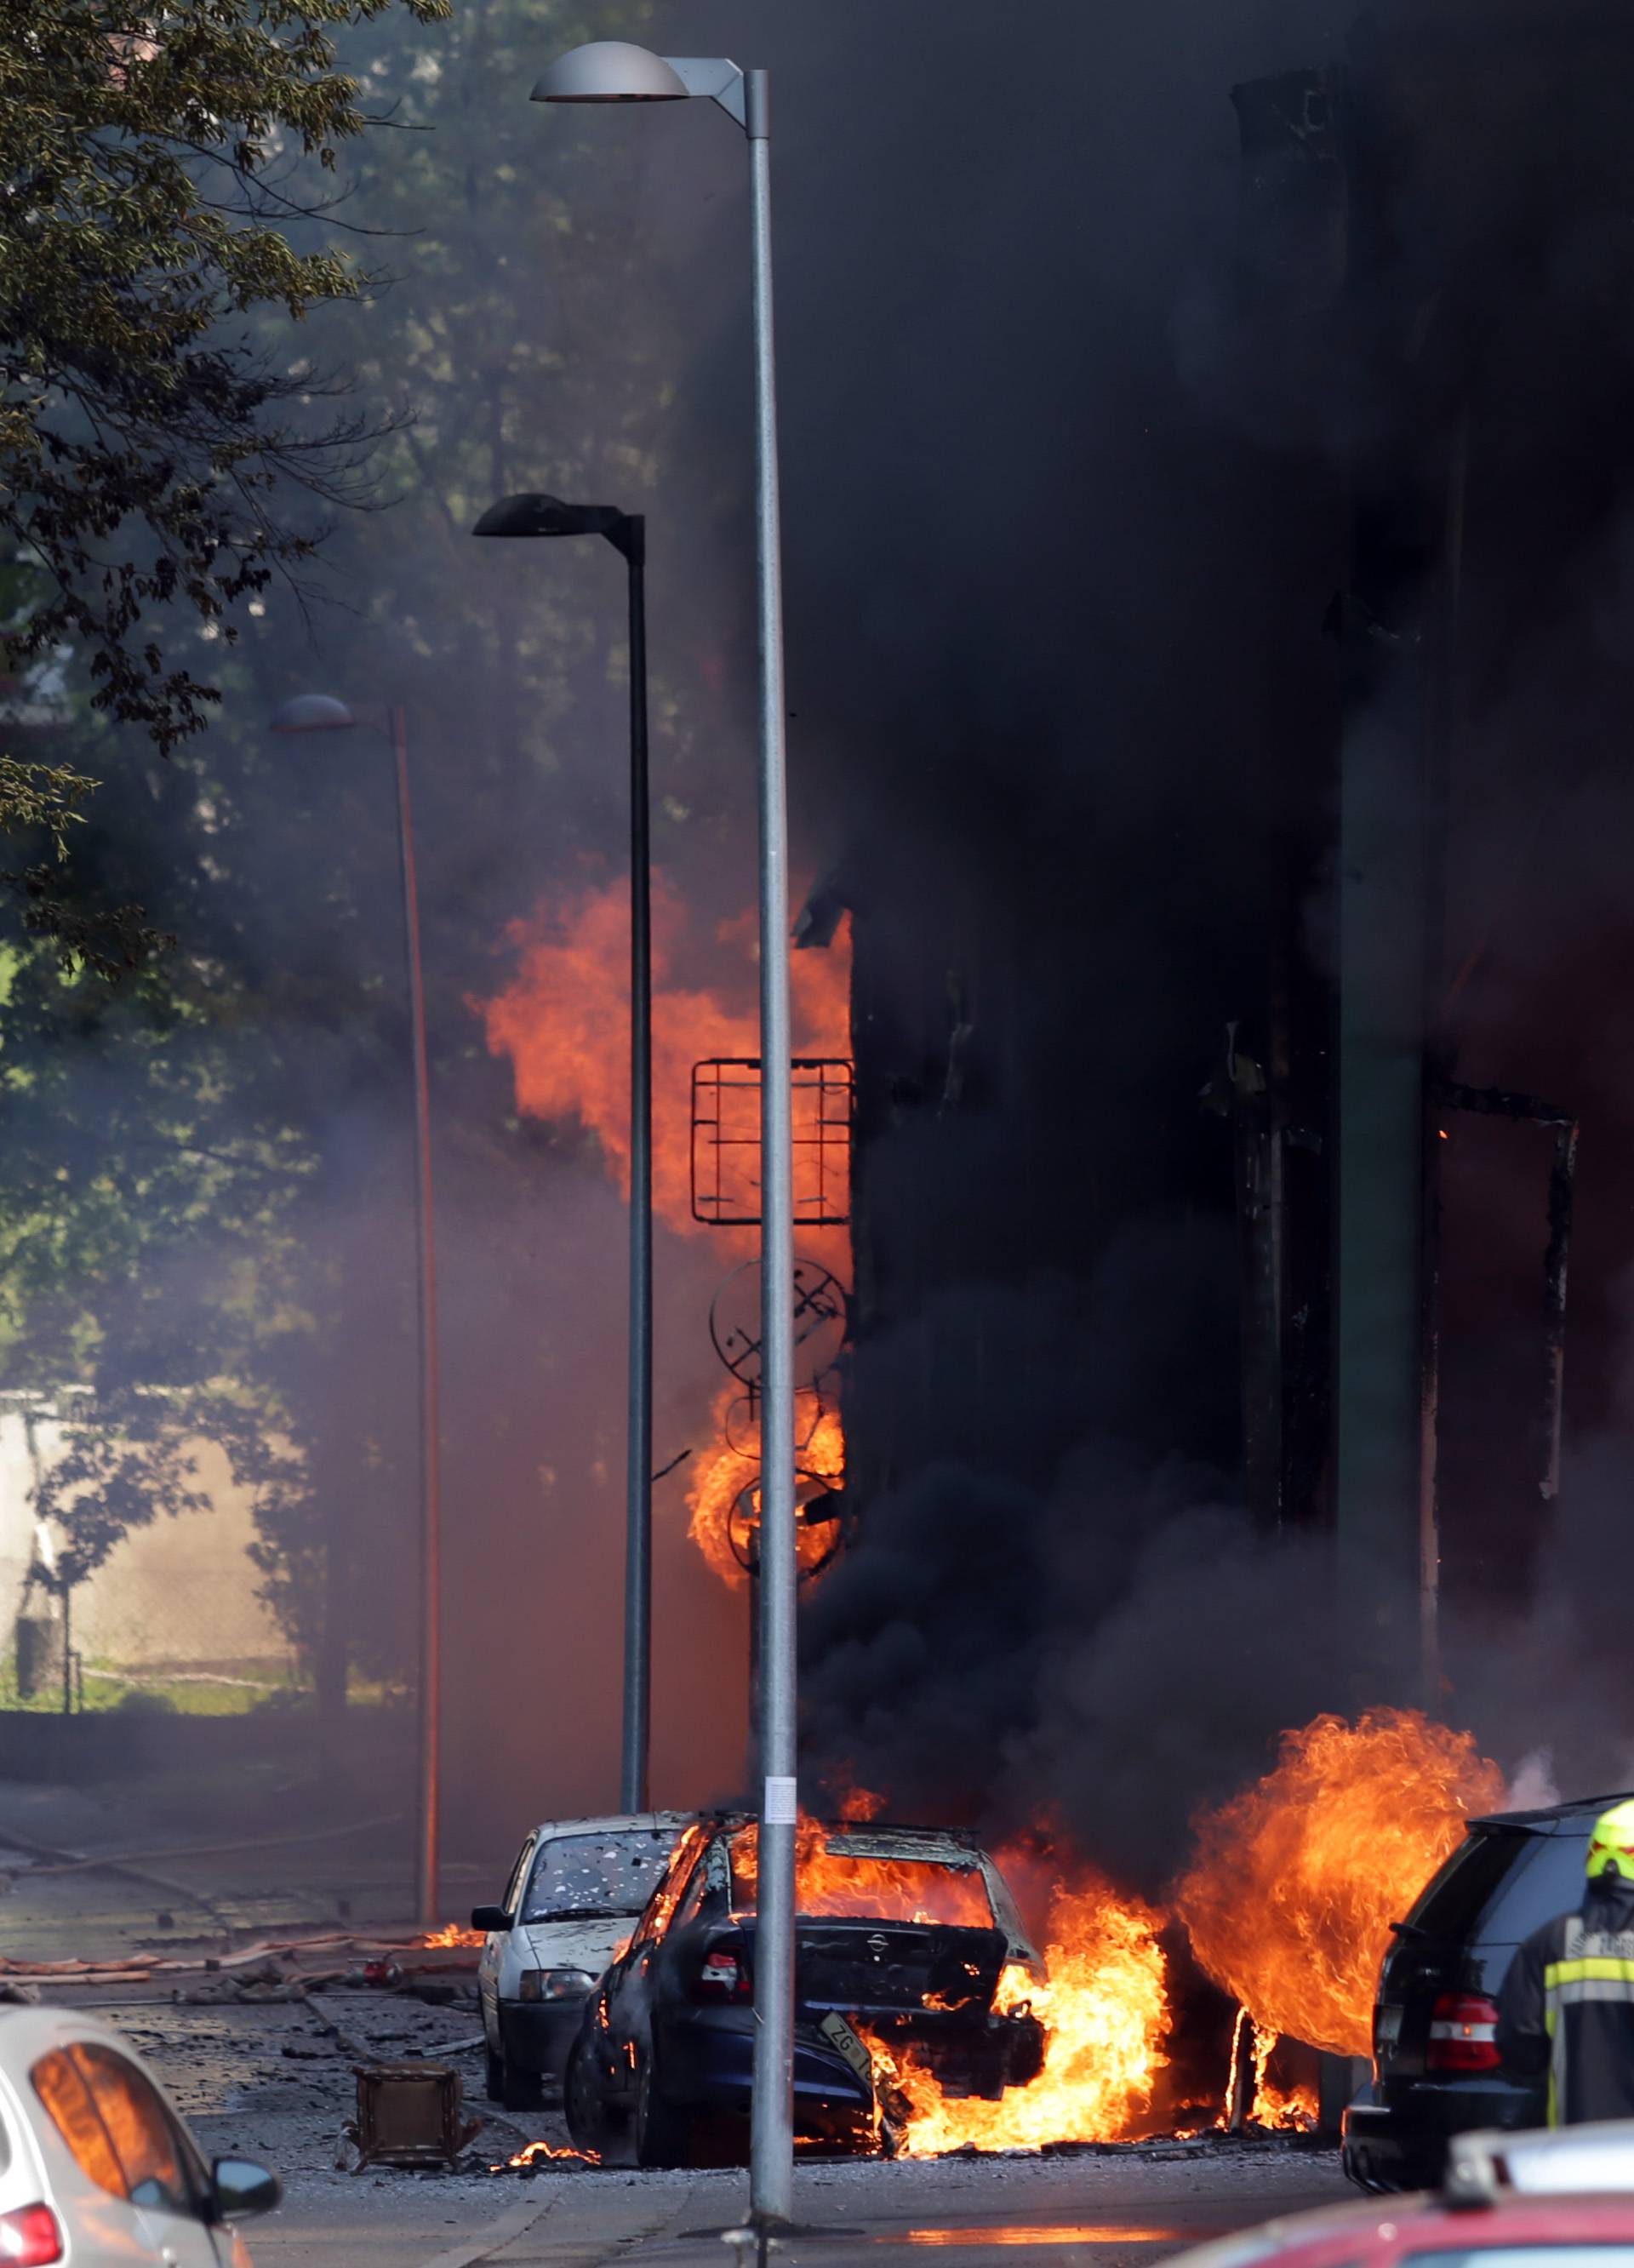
[1567, 2006]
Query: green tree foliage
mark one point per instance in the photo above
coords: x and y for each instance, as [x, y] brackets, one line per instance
[147, 432]
[205, 1172]
[183, 1227]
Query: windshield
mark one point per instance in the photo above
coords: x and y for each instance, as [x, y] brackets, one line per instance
[586, 1874]
[833, 1882]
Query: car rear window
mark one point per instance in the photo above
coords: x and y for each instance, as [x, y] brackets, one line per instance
[1451, 1900]
[1547, 1881]
[585, 1875]
[834, 1883]
[1586, 2255]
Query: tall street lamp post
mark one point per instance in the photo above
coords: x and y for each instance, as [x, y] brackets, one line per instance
[321, 712]
[611, 70]
[627, 533]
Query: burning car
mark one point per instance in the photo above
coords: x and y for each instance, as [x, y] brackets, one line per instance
[573, 1896]
[907, 1938]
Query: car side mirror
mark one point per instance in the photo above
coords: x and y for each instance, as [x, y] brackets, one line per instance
[490, 1918]
[240, 2189]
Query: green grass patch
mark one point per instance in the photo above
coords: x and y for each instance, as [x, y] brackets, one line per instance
[211, 1689]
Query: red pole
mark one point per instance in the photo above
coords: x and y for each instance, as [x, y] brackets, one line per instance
[426, 1853]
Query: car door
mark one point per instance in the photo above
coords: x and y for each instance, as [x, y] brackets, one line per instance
[632, 2025]
[615, 2000]
[498, 1943]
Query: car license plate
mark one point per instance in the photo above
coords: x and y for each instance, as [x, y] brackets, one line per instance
[839, 2035]
[1386, 2028]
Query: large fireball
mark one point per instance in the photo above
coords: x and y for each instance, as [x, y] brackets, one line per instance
[1294, 1883]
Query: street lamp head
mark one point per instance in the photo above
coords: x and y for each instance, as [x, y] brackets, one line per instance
[548, 515]
[313, 712]
[610, 70]
[539, 515]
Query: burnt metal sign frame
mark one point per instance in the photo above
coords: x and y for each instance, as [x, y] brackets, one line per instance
[821, 1324]
[727, 1140]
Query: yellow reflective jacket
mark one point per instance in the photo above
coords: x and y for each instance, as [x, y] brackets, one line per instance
[1567, 2008]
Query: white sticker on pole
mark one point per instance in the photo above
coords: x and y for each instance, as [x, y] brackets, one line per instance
[780, 1809]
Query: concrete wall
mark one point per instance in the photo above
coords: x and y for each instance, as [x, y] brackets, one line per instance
[181, 1593]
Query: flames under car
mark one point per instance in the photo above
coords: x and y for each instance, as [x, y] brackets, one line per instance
[905, 1935]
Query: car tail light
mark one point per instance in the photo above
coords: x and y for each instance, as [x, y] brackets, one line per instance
[31, 2237]
[725, 1975]
[1463, 2034]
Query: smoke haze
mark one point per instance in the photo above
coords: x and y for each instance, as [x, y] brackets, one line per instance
[1061, 726]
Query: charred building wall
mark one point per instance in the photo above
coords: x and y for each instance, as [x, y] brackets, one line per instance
[1437, 226]
[1339, 791]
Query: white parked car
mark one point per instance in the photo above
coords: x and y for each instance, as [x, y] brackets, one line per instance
[97, 2169]
[573, 1899]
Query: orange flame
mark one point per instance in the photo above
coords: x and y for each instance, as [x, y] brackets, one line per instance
[450, 1933]
[856, 1886]
[1292, 2109]
[855, 1805]
[539, 2153]
[1294, 1883]
[1105, 2012]
[714, 1497]
[563, 1019]
[674, 1875]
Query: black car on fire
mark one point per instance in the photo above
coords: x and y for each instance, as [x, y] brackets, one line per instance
[1437, 2071]
[905, 1934]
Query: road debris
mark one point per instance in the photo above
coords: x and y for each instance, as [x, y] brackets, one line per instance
[382, 1959]
[410, 2115]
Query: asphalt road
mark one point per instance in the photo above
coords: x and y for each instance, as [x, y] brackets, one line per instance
[274, 2080]
[1118, 2211]
[194, 1880]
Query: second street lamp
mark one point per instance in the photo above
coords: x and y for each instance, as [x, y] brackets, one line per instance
[613, 70]
[627, 533]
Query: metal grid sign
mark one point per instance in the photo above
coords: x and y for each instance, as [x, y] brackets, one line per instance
[726, 1141]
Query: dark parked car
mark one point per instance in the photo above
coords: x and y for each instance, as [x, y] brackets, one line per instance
[1436, 2070]
[904, 1933]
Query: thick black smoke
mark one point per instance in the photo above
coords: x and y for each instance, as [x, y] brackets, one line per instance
[1063, 704]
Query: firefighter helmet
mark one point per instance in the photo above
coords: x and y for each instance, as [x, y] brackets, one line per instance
[1611, 1845]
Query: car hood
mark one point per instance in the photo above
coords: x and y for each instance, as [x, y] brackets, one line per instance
[587, 1945]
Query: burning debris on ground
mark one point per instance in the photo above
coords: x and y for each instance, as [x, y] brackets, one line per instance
[544, 2157]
